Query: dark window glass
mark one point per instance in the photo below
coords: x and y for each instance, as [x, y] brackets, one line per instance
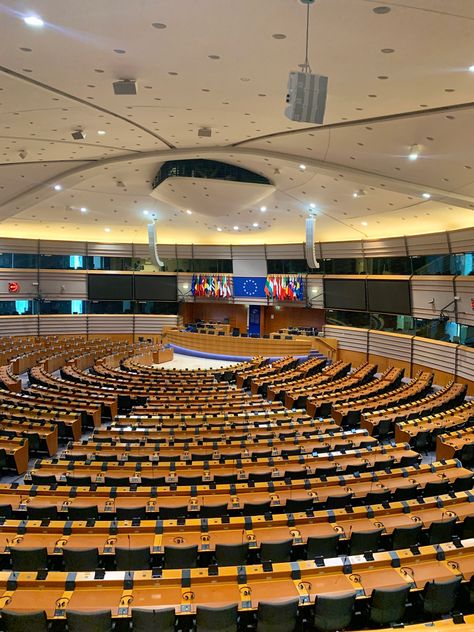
[343, 266]
[388, 265]
[62, 307]
[113, 263]
[155, 307]
[110, 307]
[433, 264]
[6, 260]
[287, 266]
[24, 260]
[348, 319]
[212, 266]
[62, 262]
[16, 308]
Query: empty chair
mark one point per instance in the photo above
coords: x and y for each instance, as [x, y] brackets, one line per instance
[467, 529]
[408, 461]
[329, 470]
[24, 621]
[378, 497]
[29, 559]
[466, 455]
[217, 619]
[277, 616]
[338, 502]
[129, 513]
[333, 612]
[261, 454]
[213, 511]
[189, 480]
[43, 479]
[296, 474]
[362, 541]
[116, 481]
[6, 511]
[291, 451]
[180, 556]
[421, 442]
[404, 537]
[149, 481]
[278, 551]
[256, 509]
[78, 512]
[463, 483]
[132, 559]
[204, 456]
[405, 493]
[436, 488]
[441, 531]
[138, 458]
[294, 505]
[89, 620]
[78, 481]
[149, 619]
[322, 546]
[356, 467]
[40, 513]
[231, 554]
[383, 464]
[259, 477]
[387, 605]
[439, 597]
[384, 429]
[80, 559]
[171, 513]
[225, 479]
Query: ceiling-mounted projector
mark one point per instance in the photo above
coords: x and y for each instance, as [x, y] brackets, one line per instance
[306, 97]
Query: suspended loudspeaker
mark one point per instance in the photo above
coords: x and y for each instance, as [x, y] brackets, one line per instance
[309, 245]
[152, 246]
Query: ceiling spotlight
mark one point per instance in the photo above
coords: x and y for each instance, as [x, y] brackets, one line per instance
[78, 134]
[127, 87]
[471, 68]
[146, 212]
[107, 230]
[426, 196]
[33, 20]
[23, 154]
[189, 212]
[303, 167]
[120, 184]
[236, 228]
[263, 209]
[83, 209]
[255, 224]
[364, 223]
[312, 205]
[359, 193]
[219, 230]
[205, 132]
[58, 187]
[101, 132]
[414, 152]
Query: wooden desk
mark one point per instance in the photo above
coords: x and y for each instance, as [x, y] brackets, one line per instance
[16, 450]
[448, 445]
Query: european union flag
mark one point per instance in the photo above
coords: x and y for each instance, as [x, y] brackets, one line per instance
[253, 287]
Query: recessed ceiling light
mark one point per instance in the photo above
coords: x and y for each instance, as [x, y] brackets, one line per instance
[263, 209]
[219, 230]
[101, 132]
[381, 10]
[83, 209]
[58, 187]
[364, 223]
[33, 20]
[146, 212]
[414, 152]
[426, 196]
[189, 212]
[279, 36]
[255, 224]
[107, 230]
[303, 167]
[159, 25]
[236, 228]
[358, 193]
[471, 68]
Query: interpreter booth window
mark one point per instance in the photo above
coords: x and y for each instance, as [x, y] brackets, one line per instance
[342, 266]
[110, 307]
[48, 307]
[62, 262]
[287, 266]
[388, 265]
[156, 307]
[347, 318]
[18, 260]
[16, 308]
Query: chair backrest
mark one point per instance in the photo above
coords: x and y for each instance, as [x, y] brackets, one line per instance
[278, 616]
[436, 488]
[43, 479]
[439, 597]
[362, 541]
[333, 612]
[116, 481]
[441, 530]
[467, 529]
[180, 556]
[189, 480]
[403, 537]
[213, 511]
[78, 512]
[78, 481]
[89, 621]
[338, 502]
[129, 513]
[232, 554]
[149, 481]
[463, 483]
[405, 493]
[29, 559]
[324, 546]
[6, 511]
[387, 605]
[260, 476]
[14, 621]
[133, 558]
[276, 551]
[225, 479]
[256, 509]
[39, 513]
[293, 505]
[221, 619]
[171, 513]
[150, 619]
[80, 559]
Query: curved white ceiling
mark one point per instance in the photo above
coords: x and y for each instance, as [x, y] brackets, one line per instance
[396, 78]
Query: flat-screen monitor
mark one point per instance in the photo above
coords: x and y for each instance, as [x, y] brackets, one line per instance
[345, 294]
[110, 287]
[389, 297]
[155, 287]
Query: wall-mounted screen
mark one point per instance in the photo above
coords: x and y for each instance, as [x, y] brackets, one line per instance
[389, 297]
[110, 287]
[155, 287]
[345, 294]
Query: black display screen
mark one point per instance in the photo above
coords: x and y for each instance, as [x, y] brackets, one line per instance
[110, 287]
[155, 287]
[389, 297]
[345, 294]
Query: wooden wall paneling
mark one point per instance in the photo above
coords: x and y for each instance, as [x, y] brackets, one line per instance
[435, 354]
[25, 278]
[284, 316]
[63, 285]
[465, 308]
[386, 348]
[350, 338]
[425, 289]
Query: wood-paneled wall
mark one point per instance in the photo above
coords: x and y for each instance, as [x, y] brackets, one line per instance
[236, 314]
[284, 316]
